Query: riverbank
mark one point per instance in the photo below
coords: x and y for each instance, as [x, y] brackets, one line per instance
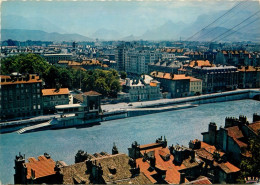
[123, 110]
[201, 99]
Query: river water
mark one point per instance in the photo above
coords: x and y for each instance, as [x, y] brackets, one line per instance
[179, 126]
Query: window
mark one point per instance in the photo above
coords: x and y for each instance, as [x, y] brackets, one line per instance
[39, 106]
[34, 107]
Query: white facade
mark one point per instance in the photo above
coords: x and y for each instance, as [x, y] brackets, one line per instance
[145, 88]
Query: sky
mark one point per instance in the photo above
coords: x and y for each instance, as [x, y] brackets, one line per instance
[125, 17]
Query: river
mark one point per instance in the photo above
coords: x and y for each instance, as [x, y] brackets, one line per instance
[179, 126]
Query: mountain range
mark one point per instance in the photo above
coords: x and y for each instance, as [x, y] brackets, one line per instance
[30, 29]
[38, 35]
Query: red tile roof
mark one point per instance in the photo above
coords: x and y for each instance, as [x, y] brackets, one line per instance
[236, 134]
[228, 167]
[203, 180]
[210, 148]
[92, 93]
[203, 153]
[7, 80]
[52, 92]
[172, 170]
[255, 126]
[200, 63]
[249, 69]
[42, 167]
[151, 145]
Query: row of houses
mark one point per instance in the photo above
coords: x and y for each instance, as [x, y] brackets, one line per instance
[214, 160]
[214, 78]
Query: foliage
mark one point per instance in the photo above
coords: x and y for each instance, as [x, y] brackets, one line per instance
[250, 167]
[24, 63]
[123, 74]
[102, 81]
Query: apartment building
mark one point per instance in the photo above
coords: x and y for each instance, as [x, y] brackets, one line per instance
[20, 96]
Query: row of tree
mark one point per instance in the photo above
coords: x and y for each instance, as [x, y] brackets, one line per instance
[105, 82]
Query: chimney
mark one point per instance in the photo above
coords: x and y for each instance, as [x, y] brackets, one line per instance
[182, 178]
[89, 166]
[243, 119]
[152, 161]
[256, 117]
[114, 150]
[47, 155]
[192, 156]
[32, 174]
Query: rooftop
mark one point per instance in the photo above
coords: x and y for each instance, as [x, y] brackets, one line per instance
[52, 92]
[163, 161]
[10, 80]
[249, 69]
[236, 134]
[201, 180]
[92, 93]
[255, 126]
[200, 63]
[77, 172]
[227, 167]
[41, 167]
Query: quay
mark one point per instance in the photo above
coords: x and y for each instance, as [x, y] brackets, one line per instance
[124, 110]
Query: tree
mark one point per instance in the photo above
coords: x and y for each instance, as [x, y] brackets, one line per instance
[123, 75]
[51, 77]
[114, 88]
[24, 63]
[101, 86]
[65, 78]
[250, 167]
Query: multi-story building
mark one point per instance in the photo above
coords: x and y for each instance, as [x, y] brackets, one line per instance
[137, 60]
[55, 58]
[142, 89]
[133, 59]
[249, 77]
[178, 85]
[120, 55]
[216, 166]
[219, 78]
[195, 86]
[165, 66]
[53, 97]
[234, 137]
[20, 96]
[236, 57]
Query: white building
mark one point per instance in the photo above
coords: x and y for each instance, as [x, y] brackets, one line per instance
[142, 89]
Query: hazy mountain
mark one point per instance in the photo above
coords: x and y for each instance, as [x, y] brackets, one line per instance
[167, 31]
[23, 35]
[106, 34]
[130, 38]
[227, 22]
[33, 23]
[224, 34]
